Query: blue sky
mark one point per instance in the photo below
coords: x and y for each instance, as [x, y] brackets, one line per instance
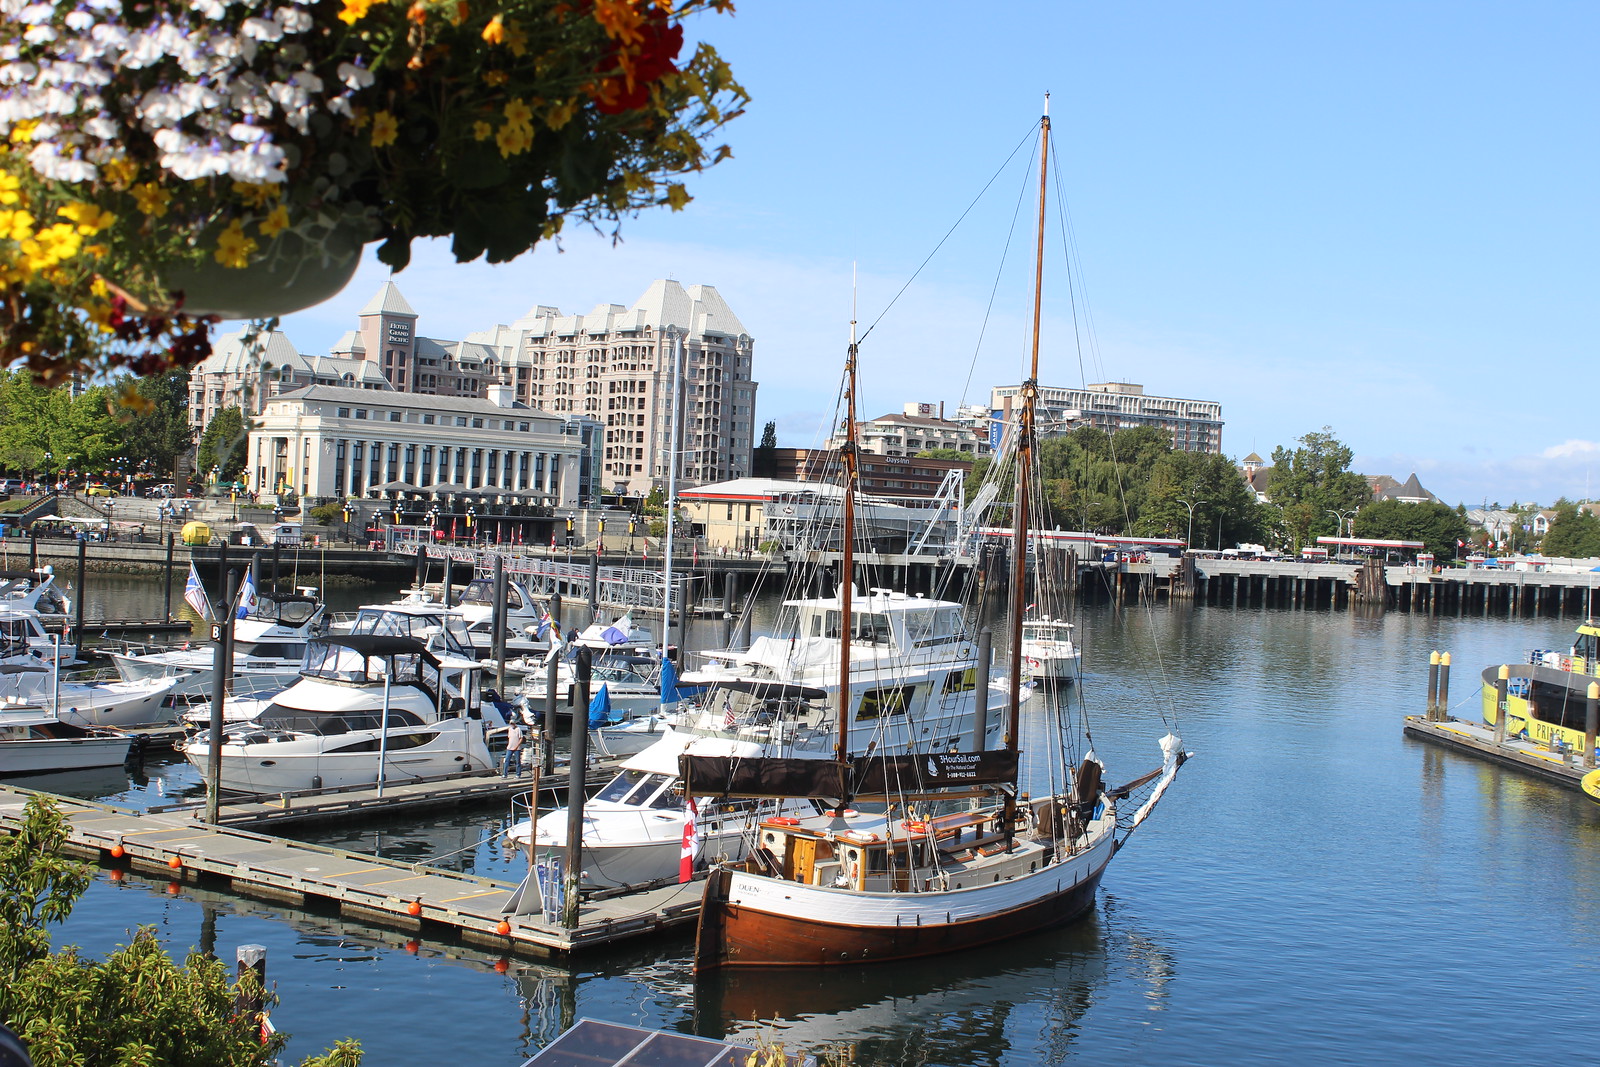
[1379, 217]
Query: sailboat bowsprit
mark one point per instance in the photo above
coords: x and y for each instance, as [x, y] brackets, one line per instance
[959, 855]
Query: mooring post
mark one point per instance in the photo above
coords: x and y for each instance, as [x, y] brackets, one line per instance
[1500, 687]
[1591, 723]
[1444, 686]
[552, 674]
[77, 626]
[980, 691]
[1433, 685]
[221, 668]
[166, 592]
[594, 582]
[498, 621]
[251, 992]
[422, 567]
[575, 783]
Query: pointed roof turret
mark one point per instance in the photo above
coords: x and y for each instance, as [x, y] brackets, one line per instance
[388, 301]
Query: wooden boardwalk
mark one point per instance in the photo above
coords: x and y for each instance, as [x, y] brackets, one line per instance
[404, 896]
[1477, 739]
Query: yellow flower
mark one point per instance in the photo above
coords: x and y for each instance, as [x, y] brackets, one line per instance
[234, 249]
[482, 131]
[495, 31]
[276, 221]
[9, 186]
[120, 172]
[256, 194]
[356, 10]
[518, 113]
[385, 128]
[561, 114]
[90, 218]
[23, 131]
[621, 19]
[677, 196]
[16, 225]
[516, 40]
[494, 78]
[513, 139]
[151, 199]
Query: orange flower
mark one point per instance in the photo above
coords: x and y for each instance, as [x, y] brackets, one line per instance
[621, 20]
[495, 31]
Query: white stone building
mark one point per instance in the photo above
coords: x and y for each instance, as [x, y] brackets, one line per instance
[917, 428]
[330, 442]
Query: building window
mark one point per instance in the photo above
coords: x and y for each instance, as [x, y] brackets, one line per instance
[477, 424]
[394, 416]
[344, 413]
[361, 413]
[427, 420]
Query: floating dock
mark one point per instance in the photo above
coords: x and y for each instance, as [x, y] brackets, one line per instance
[403, 896]
[1477, 739]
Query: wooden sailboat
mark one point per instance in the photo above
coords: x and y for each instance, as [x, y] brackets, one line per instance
[957, 857]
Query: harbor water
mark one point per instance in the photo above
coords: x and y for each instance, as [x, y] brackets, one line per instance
[1315, 888]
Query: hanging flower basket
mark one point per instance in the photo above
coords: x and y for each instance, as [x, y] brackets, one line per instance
[161, 164]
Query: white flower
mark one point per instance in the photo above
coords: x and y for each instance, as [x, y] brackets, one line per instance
[291, 20]
[49, 163]
[211, 9]
[354, 77]
[247, 134]
[36, 12]
[39, 35]
[261, 29]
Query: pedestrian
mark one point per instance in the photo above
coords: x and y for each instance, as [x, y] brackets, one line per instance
[513, 762]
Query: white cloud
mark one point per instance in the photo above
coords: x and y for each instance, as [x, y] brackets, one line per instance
[1571, 449]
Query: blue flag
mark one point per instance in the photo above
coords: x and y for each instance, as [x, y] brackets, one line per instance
[195, 593]
[247, 593]
[600, 708]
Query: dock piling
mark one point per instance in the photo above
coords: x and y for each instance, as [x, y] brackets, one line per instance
[252, 962]
[1433, 686]
[1500, 686]
[1591, 722]
[1444, 686]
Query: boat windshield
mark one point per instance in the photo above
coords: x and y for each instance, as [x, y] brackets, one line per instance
[336, 663]
[1044, 631]
[288, 611]
[640, 789]
[382, 622]
[482, 592]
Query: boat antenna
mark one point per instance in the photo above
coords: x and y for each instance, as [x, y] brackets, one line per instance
[1024, 462]
[847, 457]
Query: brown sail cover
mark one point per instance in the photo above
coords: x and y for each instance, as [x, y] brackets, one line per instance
[861, 777]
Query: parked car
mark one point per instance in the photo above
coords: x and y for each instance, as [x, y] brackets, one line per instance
[164, 491]
[98, 489]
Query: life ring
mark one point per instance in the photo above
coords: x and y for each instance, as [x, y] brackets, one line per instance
[914, 827]
[783, 820]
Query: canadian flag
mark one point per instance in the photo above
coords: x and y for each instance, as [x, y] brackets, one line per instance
[1460, 543]
[691, 842]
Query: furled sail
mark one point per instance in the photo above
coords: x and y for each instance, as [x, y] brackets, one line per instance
[864, 776]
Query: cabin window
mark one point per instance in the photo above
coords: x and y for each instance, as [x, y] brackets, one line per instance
[866, 627]
[876, 703]
[961, 681]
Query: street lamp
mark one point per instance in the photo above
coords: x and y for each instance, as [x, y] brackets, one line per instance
[1188, 540]
[1342, 516]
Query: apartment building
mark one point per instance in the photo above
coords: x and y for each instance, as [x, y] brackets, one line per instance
[1195, 425]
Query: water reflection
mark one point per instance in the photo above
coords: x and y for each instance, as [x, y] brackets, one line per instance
[1020, 1001]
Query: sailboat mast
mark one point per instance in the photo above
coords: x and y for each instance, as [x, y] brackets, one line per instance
[1024, 460]
[847, 559]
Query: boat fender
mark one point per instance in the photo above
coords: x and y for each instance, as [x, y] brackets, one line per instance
[783, 820]
[914, 827]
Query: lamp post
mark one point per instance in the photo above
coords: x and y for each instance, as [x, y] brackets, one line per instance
[1342, 516]
[1191, 505]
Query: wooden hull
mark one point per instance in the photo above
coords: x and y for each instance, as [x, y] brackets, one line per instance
[750, 921]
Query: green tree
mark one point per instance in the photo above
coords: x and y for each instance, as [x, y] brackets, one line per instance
[135, 1008]
[764, 459]
[1573, 534]
[1438, 526]
[222, 445]
[156, 433]
[27, 413]
[1310, 481]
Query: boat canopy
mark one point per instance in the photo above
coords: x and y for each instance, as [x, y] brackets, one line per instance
[367, 658]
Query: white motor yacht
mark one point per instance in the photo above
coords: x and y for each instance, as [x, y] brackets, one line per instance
[24, 639]
[269, 646]
[86, 704]
[633, 828]
[33, 741]
[1048, 650]
[36, 591]
[365, 705]
[913, 689]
